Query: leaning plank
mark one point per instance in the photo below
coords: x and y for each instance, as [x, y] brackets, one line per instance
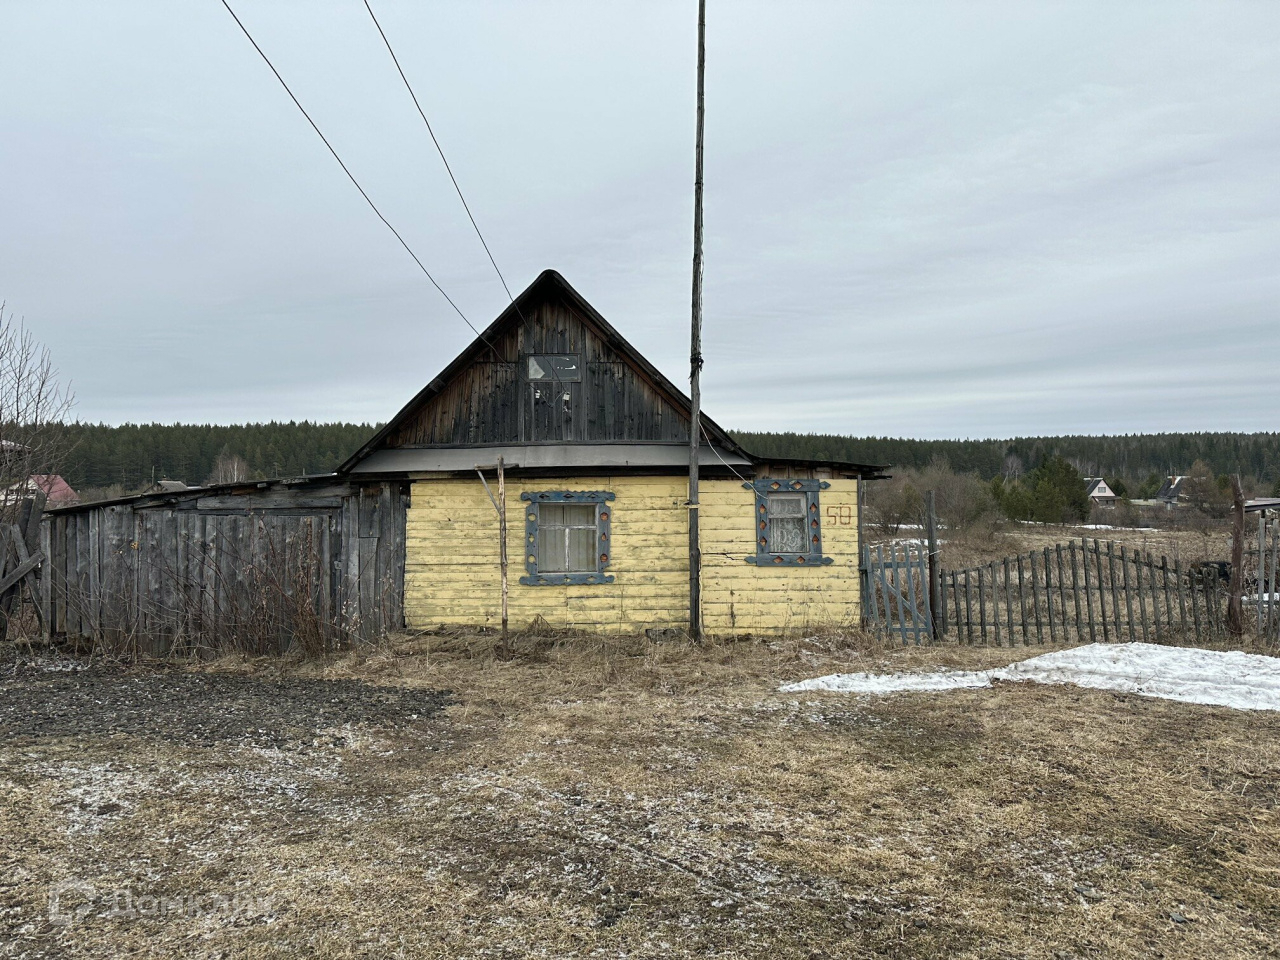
[21, 570]
[1142, 599]
[968, 609]
[913, 610]
[1128, 593]
[868, 601]
[1155, 596]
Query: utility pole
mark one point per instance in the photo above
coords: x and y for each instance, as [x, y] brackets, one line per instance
[695, 348]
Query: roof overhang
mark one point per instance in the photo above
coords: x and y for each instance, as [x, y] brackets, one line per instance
[549, 456]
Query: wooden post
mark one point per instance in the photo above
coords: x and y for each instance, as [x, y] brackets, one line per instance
[502, 540]
[1168, 603]
[995, 601]
[500, 505]
[1022, 604]
[1182, 595]
[1273, 581]
[935, 582]
[1262, 566]
[982, 608]
[1155, 596]
[864, 557]
[1102, 591]
[1008, 601]
[1048, 592]
[1075, 588]
[1088, 594]
[1235, 605]
[1035, 597]
[695, 345]
[968, 609]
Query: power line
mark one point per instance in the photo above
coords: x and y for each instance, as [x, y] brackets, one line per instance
[350, 175]
[439, 149]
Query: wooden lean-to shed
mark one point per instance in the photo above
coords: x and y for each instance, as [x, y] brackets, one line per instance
[595, 443]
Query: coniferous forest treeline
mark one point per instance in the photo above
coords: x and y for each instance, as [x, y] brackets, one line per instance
[1134, 458]
[130, 456]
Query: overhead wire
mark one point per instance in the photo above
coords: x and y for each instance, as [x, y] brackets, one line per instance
[440, 150]
[350, 175]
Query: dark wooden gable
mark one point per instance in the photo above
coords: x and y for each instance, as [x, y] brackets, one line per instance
[489, 398]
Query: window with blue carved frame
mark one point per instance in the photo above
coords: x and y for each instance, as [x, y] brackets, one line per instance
[788, 523]
[567, 537]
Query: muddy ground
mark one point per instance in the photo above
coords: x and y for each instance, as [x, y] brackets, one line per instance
[622, 799]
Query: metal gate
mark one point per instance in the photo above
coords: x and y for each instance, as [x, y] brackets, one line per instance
[897, 590]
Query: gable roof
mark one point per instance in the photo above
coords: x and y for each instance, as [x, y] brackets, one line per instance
[548, 283]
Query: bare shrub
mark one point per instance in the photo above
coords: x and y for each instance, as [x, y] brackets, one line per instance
[894, 502]
[33, 406]
[963, 501]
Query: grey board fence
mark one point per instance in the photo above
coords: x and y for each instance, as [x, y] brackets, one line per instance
[1084, 591]
[253, 567]
[897, 591]
[1264, 601]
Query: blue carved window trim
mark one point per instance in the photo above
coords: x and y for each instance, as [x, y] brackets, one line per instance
[813, 513]
[604, 549]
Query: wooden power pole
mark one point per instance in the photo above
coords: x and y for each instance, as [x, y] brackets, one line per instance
[695, 348]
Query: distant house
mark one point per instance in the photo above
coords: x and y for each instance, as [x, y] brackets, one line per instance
[1172, 491]
[1097, 491]
[57, 490]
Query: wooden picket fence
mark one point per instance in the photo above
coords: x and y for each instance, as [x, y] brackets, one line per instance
[1084, 591]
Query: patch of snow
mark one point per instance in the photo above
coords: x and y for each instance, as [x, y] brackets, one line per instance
[1244, 681]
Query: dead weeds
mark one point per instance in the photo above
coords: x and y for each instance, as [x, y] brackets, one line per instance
[584, 796]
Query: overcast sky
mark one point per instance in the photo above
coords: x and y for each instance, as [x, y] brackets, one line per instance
[933, 220]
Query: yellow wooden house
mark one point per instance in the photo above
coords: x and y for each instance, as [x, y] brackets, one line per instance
[595, 446]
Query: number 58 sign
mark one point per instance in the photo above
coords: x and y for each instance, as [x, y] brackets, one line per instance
[840, 514]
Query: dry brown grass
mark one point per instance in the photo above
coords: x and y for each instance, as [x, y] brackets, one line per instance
[587, 796]
[970, 548]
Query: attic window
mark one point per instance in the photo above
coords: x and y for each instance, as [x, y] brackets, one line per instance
[560, 367]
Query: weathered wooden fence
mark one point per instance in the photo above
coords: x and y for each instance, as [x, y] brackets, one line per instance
[897, 591]
[1087, 591]
[254, 567]
[1265, 597]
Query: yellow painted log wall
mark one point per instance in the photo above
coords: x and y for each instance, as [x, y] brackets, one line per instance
[451, 563]
[740, 597]
[451, 560]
